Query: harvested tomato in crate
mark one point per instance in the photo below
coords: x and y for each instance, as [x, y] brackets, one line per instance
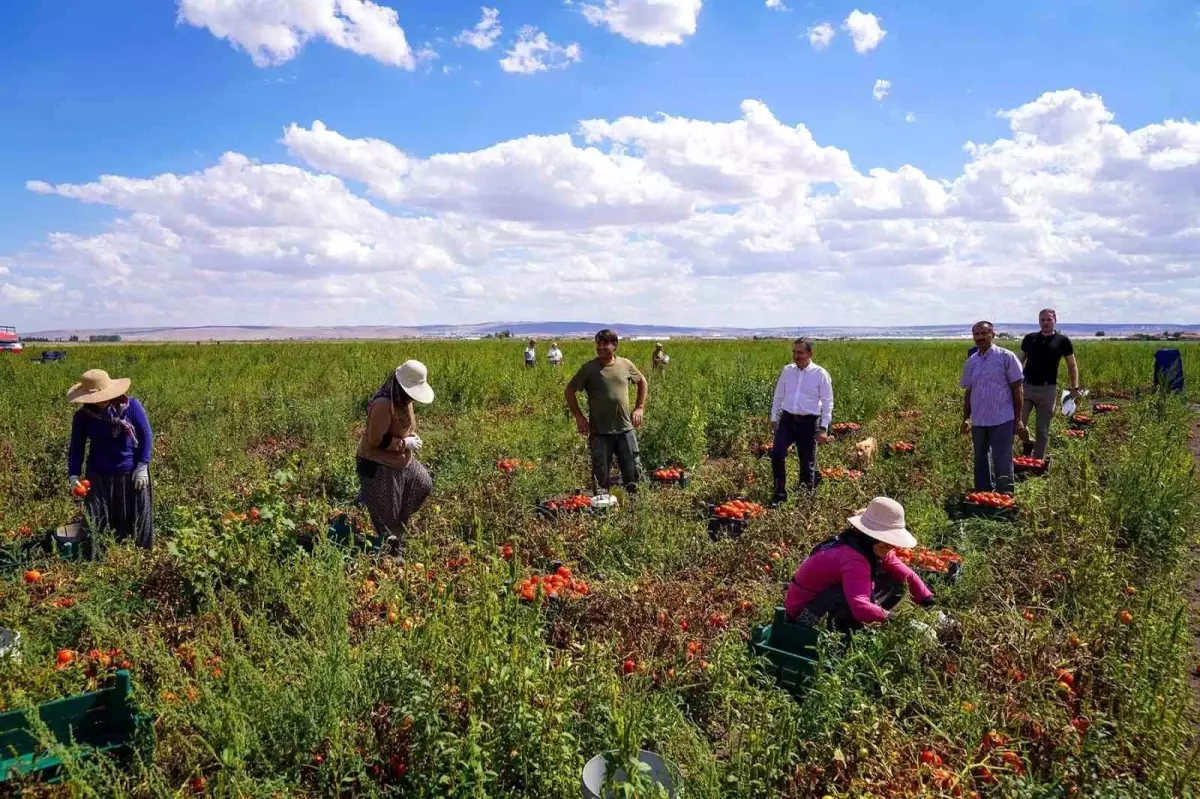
[1026, 466]
[576, 502]
[844, 428]
[945, 563]
[989, 505]
[671, 475]
[899, 448]
[839, 473]
[729, 518]
[1105, 407]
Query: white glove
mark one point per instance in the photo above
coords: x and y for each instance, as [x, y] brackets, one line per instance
[141, 476]
[73, 481]
[413, 443]
[921, 627]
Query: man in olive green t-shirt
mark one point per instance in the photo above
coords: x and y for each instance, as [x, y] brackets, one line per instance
[610, 429]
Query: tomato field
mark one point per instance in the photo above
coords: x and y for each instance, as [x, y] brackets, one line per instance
[272, 671]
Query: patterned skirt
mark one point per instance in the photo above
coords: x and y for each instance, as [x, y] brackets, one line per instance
[393, 495]
[113, 504]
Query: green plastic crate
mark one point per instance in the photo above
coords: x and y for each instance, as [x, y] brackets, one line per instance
[790, 649]
[99, 722]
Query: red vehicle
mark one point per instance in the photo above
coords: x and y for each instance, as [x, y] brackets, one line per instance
[10, 341]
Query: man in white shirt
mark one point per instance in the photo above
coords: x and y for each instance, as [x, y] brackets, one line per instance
[800, 415]
[555, 355]
[530, 354]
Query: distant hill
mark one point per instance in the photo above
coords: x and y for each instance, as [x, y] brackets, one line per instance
[581, 330]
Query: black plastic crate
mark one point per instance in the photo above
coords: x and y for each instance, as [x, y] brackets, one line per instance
[838, 432]
[1025, 472]
[970, 510]
[889, 452]
[683, 481]
[949, 577]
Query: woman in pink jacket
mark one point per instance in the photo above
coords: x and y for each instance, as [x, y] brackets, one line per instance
[855, 578]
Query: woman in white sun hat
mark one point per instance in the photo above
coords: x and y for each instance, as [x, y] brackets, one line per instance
[113, 429]
[394, 483]
[855, 578]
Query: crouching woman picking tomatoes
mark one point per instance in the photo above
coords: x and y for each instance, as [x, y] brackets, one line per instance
[855, 578]
[394, 483]
[113, 429]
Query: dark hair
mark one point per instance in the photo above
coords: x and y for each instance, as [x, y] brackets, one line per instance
[1050, 311]
[806, 342]
[982, 322]
[607, 336]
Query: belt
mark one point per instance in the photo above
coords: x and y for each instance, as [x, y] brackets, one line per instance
[1039, 385]
[800, 415]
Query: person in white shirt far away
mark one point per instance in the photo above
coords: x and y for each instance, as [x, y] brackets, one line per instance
[555, 355]
[530, 354]
[800, 415]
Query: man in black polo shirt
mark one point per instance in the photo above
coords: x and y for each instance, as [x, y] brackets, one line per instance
[1041, 353]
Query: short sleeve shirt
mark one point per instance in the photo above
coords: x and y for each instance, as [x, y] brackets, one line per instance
[989, 377]
[607, 389]
[1042, 356]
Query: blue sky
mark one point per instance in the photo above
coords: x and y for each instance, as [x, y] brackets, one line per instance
[123, 88]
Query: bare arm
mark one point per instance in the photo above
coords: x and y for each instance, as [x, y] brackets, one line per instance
[643, 392]
[1073, 371]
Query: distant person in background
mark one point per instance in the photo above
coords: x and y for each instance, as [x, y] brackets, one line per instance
[610, 425]
[800, 415]
[660, 359]
[992, 408]
[530, 354]
[555, 355]
[394, 483]
[1041, 353]
[112, 427]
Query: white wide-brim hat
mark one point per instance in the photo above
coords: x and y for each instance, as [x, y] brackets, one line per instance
[883, 520]
[96, 386]
[413, 377]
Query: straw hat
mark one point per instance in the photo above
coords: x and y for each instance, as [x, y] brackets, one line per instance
[883, 520]
[413, 377]
[96, 386]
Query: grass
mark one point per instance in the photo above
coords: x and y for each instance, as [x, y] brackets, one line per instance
[273, 672]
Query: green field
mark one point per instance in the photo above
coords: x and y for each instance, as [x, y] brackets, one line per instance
[272, 672]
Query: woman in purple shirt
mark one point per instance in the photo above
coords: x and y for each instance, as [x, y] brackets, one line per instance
[113, 428]
[855, 578]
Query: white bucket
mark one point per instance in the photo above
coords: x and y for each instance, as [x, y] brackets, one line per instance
[596, 770]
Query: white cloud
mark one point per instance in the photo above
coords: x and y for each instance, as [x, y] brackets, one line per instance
[777, 5]
[881, 89]
[910, 117]
[864, 30]
[653, 22]
[821, 36]
[275, 31]
[1068, 209]
[485, 33]
[534, 52]
[18, 295]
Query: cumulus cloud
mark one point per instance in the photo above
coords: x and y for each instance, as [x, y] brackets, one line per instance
[777, 5]
[653, 22]
[275, 32]
[1067, 209]
[485, 33]
[910, 117]
[865, 31]
[821, 36]
[881, 89]
[534, 52]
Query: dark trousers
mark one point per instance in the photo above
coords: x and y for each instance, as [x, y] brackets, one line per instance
[831, 604]
[801, 431]
[113, 503]
[993, 454]
[625, 445]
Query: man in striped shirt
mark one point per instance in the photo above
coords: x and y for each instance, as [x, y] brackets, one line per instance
[993, 381]
[800, 415]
